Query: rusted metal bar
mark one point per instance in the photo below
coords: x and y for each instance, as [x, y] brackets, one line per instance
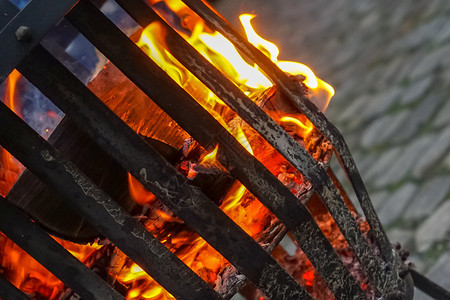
[9, 291]
[296, 94]
[258, 119]
[279, 139]
[158, 175]
[99, 209]
[176, 102]
[36, 242]
[26, 30]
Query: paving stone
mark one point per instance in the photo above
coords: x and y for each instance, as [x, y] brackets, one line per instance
[354, 108]
[366, 162]
[443, 34]
[378, 199]
[443, 117]
[447, 162]
[400, 167]
[419, 295]
[385, 159]
[421, 34]
[437, 149]
[377, 55]
[404, 236]
[238, 297]
[418, 262]
[417, 119]
[431, 62]
[429, 197]
[411, 61]
[416, 90]
[382, 128]
[382, 101]
[435, 228]
[439, 273]
[434, 8]
[392, 68]
[395, 204]
[396, 16]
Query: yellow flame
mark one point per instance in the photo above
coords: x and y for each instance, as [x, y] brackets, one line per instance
[237, 204]
[235, 197]
[150, 43]
[153, 292]
[268, 48]
[297, 122]
[211, 156]
[224, 56]
[317, 85]
[240, 136]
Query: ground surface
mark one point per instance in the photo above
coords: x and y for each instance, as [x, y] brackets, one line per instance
[390, 65]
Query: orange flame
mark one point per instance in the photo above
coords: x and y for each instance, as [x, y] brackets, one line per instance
[138, 192]
[320, 89]
[10, 168]
[302, 127]
[240, 136]
[239, 204]
[28, 275]
[211, 156]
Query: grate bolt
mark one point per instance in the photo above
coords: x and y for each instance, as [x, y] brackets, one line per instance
[23, 34]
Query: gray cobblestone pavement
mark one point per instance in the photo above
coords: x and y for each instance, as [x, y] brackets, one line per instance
[390, 64]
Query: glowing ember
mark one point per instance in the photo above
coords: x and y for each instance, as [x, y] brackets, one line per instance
[239, 204]
[30, 276]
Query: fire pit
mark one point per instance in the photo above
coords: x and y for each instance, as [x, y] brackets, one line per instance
[221, 166]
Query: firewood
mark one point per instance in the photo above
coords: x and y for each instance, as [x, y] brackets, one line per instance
[148, 120]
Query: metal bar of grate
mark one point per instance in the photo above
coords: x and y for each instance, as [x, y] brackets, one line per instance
[296, 94]
[26, 30]
[242, 165]
[331, 269]
[429, 287]
[282, 142]
[176, 102]
[9, 291]
[141, 160]
[99, 209]
[36, 242]
[8, 12]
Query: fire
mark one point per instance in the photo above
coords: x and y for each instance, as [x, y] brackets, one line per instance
[319, 88]
[239, 204]
[240, 136]
[138, 192]
[10, 168]
[301, 125]
[30, 276]
[211, 156]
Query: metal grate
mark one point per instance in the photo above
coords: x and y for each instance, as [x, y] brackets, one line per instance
[22, 50]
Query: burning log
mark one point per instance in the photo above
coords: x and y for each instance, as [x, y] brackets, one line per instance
[280, 169]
